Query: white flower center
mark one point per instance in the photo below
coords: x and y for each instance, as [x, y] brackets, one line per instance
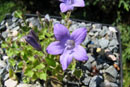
[70, 44]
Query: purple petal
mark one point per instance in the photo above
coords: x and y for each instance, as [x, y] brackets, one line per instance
[55, 48]
[65, 59]
[32, 41]
[32, 33]
[79, 3]
[79, 35]
[65, 7]
[61, 32]
[80, 53]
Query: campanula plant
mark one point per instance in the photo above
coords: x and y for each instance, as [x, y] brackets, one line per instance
[47, 54]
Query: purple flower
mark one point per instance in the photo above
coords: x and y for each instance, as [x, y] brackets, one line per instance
[32, 39]
[70, 4]
[68, 45]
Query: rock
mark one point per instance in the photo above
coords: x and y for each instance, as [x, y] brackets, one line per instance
[2, 70]
[11, 83]
[9, 22]
[106, 83]
[2, 64]
[5, 57]
[113, 42]
[14, 19]
[87, 40]
[103, 43]
[4, 34]
[6, 77]
[47, 17]
[88, 65]
[86, 80]
[82, 24]
[104, 31]
[2, 28]
[97, 26]
[95, 81]
[112, 29]
[109, 77]
[105, 65]
[16, 28]
[112, 71]
[3, 22]
[90, 58]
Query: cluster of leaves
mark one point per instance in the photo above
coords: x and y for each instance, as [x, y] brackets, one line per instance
[33, 64]
[124, 29]
[125, 33]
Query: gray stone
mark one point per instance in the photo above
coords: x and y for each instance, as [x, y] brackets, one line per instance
[16, 28]
[2, 64]
[113, 29]
[11, 83]
[112, 71]
[90, 58]
[9, 22]
[6, 77]
[36, 23]
[87, 39]
[4, 34]
[99, 67]
[91, 33]
[95, 41]
[14, 19]
[104, 31]
[113, 42]
[86, 80]
[95, 81]
[97, 26]
[47, 17]
[105, 65]
[3, 22]
[88, 65]
[82, 24]
[2, 70]
[114, 36]
[2, 28]
[73, 27]
[103, 43]
[55, 22]
[106, 83]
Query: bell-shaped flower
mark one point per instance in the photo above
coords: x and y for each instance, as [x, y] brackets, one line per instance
[32, 39]
[70, 4]
[68, 45]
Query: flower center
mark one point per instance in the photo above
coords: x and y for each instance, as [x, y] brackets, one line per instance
[69, 2]
[70, 44]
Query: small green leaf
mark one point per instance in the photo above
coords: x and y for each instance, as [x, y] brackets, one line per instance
[20, 64]
[43, 76]
[50, 62]
[78, 73]
[18, 14]
[29, 73]
[12, 62]
[40, 66]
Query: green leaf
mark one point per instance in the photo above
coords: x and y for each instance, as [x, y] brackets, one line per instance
[20, 64]
[42, 75]
[18, 14]
[78, 73]
[29, 73]
[40, 66]
[12, 62]
[50, 62]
